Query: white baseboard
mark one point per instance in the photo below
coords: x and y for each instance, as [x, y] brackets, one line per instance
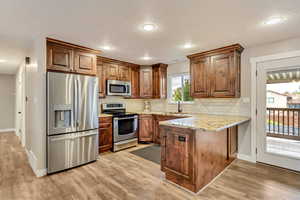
[245, 157]
[32, 161]
[7, 130]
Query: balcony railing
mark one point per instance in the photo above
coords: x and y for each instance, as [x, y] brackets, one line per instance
[283, 123]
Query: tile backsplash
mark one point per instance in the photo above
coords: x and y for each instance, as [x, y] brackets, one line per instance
[240, 106]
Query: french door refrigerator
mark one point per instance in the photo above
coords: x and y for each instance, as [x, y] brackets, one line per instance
[72, 120]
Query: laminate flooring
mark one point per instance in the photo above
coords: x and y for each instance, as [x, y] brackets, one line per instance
[123, 175]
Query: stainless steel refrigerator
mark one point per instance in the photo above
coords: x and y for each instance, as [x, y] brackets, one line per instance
[72, 120]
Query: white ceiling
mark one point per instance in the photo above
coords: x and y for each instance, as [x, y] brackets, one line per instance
[94, 23]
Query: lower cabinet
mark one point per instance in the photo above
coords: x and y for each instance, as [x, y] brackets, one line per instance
[193, 158]
[157, 119]
[105, 134]
[146, 128]
[232, 135]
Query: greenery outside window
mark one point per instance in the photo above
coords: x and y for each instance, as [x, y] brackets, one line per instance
[180, 88]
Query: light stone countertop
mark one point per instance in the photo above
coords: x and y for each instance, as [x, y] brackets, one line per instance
[104, 115]
[205, 122]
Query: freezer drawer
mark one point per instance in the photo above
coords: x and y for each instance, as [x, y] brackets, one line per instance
[71, 150]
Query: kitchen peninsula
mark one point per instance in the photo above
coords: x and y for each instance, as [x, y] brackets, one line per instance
[195, 149]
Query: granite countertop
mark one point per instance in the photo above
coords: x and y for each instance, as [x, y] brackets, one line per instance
[207, 122]
[104, 115]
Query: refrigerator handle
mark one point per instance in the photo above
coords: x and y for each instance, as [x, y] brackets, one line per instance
[76, 103]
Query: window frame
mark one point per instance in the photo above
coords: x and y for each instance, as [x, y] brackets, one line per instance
[268, 99]
[170, 77]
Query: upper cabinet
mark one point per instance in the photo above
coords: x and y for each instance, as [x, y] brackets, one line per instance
[124, 73]
[146, 82]
[59, 57]
[160, 81]
[115, 70]
[216, 73]
[101, 75]
[85, 63]
[66, 57]
[135, 81]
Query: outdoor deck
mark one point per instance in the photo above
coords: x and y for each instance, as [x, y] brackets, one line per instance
[283, 134]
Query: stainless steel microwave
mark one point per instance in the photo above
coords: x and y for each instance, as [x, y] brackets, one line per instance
[118, 88]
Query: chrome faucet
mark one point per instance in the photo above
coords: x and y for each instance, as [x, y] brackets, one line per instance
[179, 107]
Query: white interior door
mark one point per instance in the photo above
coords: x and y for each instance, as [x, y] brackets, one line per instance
[263, 154]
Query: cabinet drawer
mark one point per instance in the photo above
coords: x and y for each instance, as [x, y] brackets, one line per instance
[105, 125]
[105, 120]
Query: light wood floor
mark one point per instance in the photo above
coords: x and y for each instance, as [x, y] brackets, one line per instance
[125, 176]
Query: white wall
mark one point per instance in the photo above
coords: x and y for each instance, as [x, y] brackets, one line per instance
[36, 107]
[7, 101]
[280, 101]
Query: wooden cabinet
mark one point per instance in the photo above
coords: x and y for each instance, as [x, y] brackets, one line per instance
[105, 134]
[222, 75]
[59, 58]
[66, 57]
[216, 73]
[157, 119]
[117, 71]
[112, 71]
[193, 158]
[146, 82]
[135, 81]
[200, 81]
[232, 134]
[101, 78]
[124, 73]
[160, 81]
[177, 149]
[145, 128]
[85, 63]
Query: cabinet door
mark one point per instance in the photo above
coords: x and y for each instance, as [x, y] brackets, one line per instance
[232, 142]
[146, 128]
[59, 58]
[85, 63]
[222, 67]
[163, 83]
[199, 77]
[178, 153]
[135, 82]
[156, 82]
[101, 77]
[124, 73]
[105, 136]
[112, 71]
[146, 82]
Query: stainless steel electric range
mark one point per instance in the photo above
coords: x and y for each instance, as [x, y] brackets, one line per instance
[125, 125]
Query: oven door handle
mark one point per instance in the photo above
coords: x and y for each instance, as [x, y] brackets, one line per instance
[122, 118]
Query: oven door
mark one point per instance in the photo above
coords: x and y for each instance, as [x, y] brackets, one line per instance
[125, 128]
[118, 88]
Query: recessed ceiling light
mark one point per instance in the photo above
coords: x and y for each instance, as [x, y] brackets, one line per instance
[149, 27]
[187, 46]
[106, 47]
[2, 61]
[146, 58]
[274, 20]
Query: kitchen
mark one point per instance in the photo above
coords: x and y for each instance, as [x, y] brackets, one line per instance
[141, 105]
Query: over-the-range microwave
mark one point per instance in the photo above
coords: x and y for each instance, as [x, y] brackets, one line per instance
[118, 88]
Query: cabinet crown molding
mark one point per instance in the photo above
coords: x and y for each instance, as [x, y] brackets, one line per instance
[234, 47]
[59, 42]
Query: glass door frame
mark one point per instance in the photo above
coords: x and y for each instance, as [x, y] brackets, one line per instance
[262, 155]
